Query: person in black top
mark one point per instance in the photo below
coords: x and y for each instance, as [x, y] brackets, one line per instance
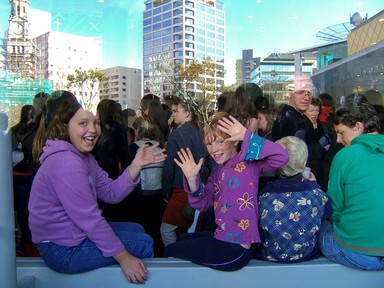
[293, 122]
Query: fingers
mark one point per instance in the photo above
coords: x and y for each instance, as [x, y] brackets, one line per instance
[185, 155]
[156, 156]
[224, 124]
[138, 278]
[201, 162]
[138, 275]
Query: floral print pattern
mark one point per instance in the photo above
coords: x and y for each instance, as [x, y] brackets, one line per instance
[245, 202]
[240, 167]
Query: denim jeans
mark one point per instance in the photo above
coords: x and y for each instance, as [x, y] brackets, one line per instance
[86, 256]
[337, 253]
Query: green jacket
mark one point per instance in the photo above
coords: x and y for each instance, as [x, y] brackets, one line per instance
[356, 190]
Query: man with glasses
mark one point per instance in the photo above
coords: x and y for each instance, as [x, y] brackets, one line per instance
[293, 122]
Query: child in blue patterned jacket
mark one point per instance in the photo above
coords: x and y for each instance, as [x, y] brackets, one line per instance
[291, 210]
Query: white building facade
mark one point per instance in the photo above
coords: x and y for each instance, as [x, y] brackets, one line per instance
[60, 54]
[124, 86]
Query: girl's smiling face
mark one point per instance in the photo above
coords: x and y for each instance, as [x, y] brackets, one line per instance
[220, 150]
[84, 130]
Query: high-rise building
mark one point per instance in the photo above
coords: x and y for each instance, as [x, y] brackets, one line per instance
[178, 32]
[249, 63]
[124, 86]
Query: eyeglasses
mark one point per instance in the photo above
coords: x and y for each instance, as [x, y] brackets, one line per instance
[303, 93]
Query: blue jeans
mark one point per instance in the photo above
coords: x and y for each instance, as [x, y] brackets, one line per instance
[337, 253]
[86, 256]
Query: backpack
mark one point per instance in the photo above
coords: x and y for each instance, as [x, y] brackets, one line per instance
[21, 157]
[151, 175]
[17, 154]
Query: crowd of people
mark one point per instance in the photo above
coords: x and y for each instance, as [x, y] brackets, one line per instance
[283, 183]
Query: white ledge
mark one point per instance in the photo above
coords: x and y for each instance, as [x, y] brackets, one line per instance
[165, 273]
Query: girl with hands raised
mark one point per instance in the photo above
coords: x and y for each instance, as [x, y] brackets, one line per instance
[231, 190]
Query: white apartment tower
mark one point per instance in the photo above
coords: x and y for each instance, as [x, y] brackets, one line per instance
[178, 32]
[124, 86]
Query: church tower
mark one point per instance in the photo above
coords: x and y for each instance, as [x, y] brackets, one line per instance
[19, 54]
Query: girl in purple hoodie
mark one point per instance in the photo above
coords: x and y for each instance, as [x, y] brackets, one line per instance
[64, 218]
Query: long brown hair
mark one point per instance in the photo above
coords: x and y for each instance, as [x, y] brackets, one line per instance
[146, 128]
[53, 124]
[240, 106]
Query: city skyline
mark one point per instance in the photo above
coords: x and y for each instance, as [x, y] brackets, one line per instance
[268, 26]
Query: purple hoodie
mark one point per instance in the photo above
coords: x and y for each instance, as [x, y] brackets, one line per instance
[63, 204]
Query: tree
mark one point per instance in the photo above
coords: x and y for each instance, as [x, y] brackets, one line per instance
[195, 83]
[88, 83]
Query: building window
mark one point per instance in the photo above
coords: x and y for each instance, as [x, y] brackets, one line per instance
[189, 12]
[211, 34]
[190, 53]
[189, 45]
[177, 20]
[157, 19]
[167, 15]
[200, 31]
[177, 12]
[189, 21]
[167, 7]
[147, 14]
[189, 4]
[178, 45]
[189, 37]
[189, 29]
[177, 4]
[147, 21]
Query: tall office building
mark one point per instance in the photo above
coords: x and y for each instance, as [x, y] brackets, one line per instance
[248, 64]
[178, 32]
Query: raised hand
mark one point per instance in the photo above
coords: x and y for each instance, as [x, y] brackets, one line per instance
[144, 156]
[233, 128]
[189, 167]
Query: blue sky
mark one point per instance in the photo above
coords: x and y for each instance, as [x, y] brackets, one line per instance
[266, 26]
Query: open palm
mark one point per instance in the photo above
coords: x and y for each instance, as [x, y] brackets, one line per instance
[188, 164]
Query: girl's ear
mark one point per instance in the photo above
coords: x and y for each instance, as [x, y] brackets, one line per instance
[235, 143]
